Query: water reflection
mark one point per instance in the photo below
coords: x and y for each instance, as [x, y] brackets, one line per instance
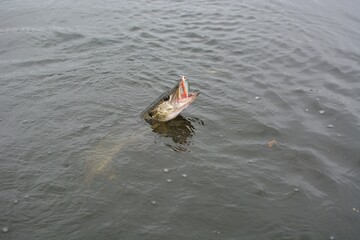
[180, 130]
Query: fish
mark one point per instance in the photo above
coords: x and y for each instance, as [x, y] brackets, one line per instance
[165, 108]
[171, 103]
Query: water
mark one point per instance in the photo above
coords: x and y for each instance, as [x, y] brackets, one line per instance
[252, 158]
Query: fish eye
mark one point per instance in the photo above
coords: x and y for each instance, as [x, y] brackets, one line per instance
[166, 98]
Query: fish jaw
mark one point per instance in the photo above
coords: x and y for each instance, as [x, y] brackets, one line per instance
[181, 104]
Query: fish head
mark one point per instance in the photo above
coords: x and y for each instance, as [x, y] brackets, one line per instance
[171, 103]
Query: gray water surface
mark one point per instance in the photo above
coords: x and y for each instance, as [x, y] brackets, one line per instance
[269, 150]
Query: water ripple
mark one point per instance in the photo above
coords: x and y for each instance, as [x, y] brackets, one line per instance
[76, 75]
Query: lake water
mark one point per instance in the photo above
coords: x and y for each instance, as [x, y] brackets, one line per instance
[269, 150]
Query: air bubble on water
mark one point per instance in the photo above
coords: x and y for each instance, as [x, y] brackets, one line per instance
[257, 97]
[330, 126]
[153, 202]
[25, 121]
[317, 98]
[49, 152]
[26, 196]
[332, 238]
[251, 161]
[169, 180]
[5, 229]
[16, 201]
[184, 175]
[306, 109]
[321, 111]
[296, 189]
[166, 170]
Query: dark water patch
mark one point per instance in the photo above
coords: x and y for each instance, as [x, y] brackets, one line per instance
[135, 29]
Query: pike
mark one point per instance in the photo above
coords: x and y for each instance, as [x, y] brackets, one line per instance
[165, 108]
[170, 104]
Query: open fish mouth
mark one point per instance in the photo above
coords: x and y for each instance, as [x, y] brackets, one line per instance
[184, 94]
[184, 87]
[182, 98]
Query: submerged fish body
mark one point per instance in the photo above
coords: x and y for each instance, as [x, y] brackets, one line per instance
[165, 108]
[170, 103]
